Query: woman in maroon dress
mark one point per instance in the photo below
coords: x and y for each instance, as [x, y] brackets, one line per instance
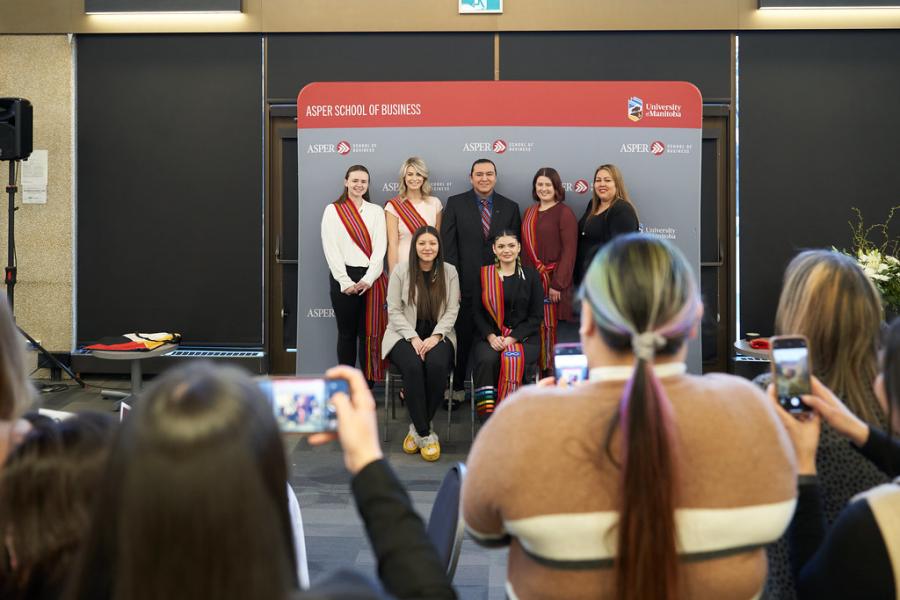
[550, 243]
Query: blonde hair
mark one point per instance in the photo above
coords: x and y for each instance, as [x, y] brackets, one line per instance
[828, 298]
[421, 168]
[621, 190]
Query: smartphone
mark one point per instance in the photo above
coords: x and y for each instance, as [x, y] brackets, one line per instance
[571, 363]
[303, 404]
[790, 371]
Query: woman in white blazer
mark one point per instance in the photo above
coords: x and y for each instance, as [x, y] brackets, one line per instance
[423, 301]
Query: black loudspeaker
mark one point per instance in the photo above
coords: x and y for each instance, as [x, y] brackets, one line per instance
[16, 117]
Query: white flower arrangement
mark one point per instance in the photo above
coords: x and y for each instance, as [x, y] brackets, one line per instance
[879, 262]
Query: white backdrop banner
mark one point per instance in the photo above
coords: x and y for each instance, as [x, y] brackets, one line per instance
[650, 130]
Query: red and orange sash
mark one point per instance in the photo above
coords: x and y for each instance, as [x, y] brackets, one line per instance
[512, 359]
[548, 326]
[408, 214]
[376, 297]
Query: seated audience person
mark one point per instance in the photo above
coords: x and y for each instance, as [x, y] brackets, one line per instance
[15, 390]
[411, 208]
[549, 244]
[423, 299]
[46, 489]
[827, 297]
[193, 505]
[508, 320]
[644, 483]
[858, 557]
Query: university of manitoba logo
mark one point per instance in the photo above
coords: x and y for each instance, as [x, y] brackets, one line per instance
[499, 146]
[635, 109]
[657, 148]
[581, 186]
[343, 147]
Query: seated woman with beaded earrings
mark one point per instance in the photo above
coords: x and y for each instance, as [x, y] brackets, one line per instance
[508, 322]
[644, 483]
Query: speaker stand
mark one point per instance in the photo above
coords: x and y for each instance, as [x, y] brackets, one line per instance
[11, 270]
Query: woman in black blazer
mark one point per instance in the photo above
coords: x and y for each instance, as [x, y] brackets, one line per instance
[609, 214]
[507, 321]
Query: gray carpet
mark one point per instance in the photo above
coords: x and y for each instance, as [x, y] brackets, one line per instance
[335, 536]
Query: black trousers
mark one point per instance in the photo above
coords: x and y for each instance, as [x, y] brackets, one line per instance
[486, 361]
[465, 332]
[350, 314]
[424, 381]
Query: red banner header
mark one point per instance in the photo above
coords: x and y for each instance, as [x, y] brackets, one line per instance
[500, 103]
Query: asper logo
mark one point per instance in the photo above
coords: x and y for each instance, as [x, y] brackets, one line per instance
[343, 147]
[657, 148]
[499, 146]
[635, 109]
[581, 186]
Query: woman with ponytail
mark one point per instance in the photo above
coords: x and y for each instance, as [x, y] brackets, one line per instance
[645, 483]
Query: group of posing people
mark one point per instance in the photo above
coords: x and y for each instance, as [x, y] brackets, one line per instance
[473, 281]
[643, 483]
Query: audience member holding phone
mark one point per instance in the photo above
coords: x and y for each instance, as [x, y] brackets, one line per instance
[193, 505]
[411, 208]
[858, 556]
[354, 242]
[423, 301]
[827, 298]
[549, 245]
[644, 483]
[508, 321]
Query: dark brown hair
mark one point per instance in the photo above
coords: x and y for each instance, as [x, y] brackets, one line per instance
[196, 487]
[46, 490]
[430, 300]
[551, 174]
[621, 190]
[480, 161]
[345, 193]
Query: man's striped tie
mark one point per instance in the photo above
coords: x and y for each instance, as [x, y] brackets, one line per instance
[485, 218]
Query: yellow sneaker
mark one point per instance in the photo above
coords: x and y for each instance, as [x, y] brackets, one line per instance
[410, 442]
[430, 447]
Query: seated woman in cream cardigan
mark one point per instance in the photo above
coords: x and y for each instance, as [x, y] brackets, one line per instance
[423, 300]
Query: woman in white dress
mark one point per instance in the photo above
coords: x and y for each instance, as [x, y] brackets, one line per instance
[411, 208]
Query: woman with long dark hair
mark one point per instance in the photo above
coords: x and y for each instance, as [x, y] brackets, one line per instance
[47, 486]
[644, 483]
[507, 320]
[193, 504]
[549, 244]
[609, 214]
[423, 300]
[354, 241]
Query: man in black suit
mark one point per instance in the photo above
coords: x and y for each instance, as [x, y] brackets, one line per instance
[469, 223]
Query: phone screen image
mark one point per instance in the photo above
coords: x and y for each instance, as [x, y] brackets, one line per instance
[303, 405]
[571, 365]
[791, 377]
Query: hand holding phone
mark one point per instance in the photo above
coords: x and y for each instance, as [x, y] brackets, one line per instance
[791, 372]
[570, 363]
[303, 404]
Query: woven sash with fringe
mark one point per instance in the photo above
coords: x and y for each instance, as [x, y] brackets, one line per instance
[548, 325]
[376, 296]
[407, 213]
[512, 359]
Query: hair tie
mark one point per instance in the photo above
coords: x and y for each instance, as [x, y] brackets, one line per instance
[645, 344]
